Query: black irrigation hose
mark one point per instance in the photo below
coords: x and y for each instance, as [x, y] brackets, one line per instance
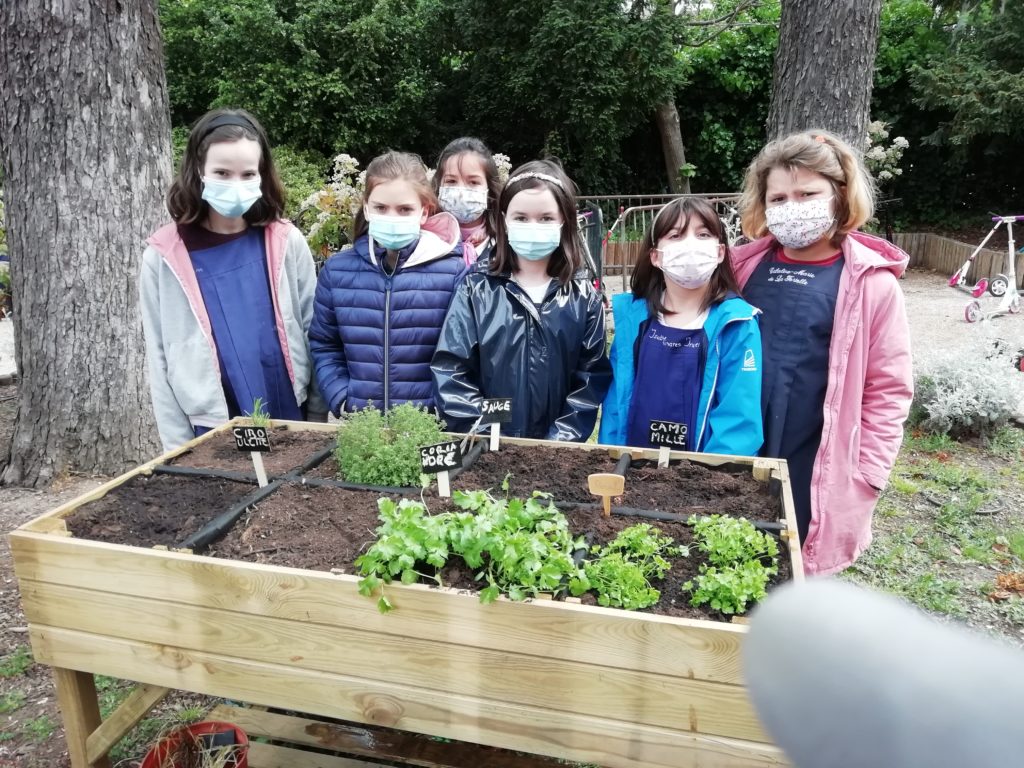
[217, 527]
[623, 464]
[326, 482]
[222, 474]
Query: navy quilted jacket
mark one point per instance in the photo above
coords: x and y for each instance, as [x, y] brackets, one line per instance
[373, 334]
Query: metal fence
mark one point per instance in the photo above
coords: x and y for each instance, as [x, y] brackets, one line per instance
[628, 217]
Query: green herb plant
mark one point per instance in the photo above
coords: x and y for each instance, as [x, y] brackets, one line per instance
[622, 571]
[384, 448]
[737, 574]
[519, 548]
[259, 415]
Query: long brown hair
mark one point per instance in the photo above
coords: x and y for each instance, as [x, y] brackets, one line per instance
[568, 256]
[389, 167]
[648, 282]
[467, 145]
[185, 197]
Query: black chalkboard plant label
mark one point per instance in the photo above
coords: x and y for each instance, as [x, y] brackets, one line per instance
[255, 439]
[496, 411]
[668, 436]
[440, 459]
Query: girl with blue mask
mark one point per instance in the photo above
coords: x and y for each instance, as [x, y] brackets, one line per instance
[528, 325]
[380, 302]
[226, 290]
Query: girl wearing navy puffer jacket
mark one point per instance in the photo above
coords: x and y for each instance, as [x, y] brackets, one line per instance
[380, 303]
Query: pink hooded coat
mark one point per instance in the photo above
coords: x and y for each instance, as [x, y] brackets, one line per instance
[870, 386]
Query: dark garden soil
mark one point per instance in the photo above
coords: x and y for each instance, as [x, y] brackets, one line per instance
[289, 449]
[155, 509]
[561, 472]
[316, 527]
[327, 528]
[693, 489]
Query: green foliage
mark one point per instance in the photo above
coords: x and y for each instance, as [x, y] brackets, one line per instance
[302, 172]
[16, 663]
[258, 415]
[40, 728]
[520, 548]
[384, 448]
[737, 575]
[965, 397]
[727, 540]
[730, 588]
[623, 569]
[11, 701]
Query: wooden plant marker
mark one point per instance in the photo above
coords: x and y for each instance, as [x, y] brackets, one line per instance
[496, 411]
[606, 485]
[255, 440]
[439, 460]
[668, 436]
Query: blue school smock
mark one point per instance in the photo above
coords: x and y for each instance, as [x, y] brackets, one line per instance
[798, 305]
[235, 287]
[669, 376]
[728, 412]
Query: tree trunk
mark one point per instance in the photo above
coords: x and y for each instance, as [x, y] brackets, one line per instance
[824, 67]
[672, 146]
[86, 157]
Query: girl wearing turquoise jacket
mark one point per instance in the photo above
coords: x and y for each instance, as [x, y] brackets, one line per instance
[687, 348]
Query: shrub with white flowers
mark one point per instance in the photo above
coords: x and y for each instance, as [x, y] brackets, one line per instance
[881, 156]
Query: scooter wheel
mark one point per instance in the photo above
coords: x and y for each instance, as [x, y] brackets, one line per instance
[972, 312]
[979, 289]
[1014, 307]
[998, 285]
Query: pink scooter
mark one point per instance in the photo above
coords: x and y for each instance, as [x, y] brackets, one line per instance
[1002, 286]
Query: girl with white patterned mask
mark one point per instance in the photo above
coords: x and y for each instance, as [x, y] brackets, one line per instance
[837, 375]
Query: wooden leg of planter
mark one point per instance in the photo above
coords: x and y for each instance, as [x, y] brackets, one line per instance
[80, 710]
[123, 719]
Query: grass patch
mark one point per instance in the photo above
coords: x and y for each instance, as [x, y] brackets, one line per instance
[928, 442]
[1015, 543]
[17, 663]
[904, 486]
[1007, 443]
[11, 702]
[41, 728]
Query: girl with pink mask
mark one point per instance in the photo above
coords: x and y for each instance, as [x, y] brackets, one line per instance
[837, 375]
[687, 348]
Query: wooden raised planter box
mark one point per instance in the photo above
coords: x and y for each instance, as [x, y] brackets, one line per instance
[562, 679]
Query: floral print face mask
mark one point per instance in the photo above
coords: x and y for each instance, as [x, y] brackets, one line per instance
[798, 224]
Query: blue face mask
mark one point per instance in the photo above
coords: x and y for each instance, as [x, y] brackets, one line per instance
[534, 242]
[231, 199]
[394, 232]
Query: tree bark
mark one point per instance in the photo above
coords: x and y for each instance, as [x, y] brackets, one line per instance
[672, 146]
[824, 67]
[86, 157]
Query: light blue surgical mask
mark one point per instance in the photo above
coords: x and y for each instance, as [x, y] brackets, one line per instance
[533, 241]
[231, 199]
[393, 232]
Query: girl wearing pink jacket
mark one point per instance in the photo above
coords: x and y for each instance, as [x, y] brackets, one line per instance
[837, 375]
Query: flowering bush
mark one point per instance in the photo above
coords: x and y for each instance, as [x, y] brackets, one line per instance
[966, 397]
[333, 209]
[883, 161]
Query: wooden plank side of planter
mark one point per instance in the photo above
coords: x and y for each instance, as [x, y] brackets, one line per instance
[700, 650]
[446, 668]
[608, 741]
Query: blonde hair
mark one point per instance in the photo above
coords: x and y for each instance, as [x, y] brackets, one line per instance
[389, 167]
[819, 152]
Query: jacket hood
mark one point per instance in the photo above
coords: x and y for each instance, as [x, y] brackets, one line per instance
[861, 251]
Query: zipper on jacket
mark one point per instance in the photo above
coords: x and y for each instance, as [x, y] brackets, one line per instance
[714, 381]
[387, 341]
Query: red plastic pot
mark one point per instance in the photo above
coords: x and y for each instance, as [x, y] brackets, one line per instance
[159, 751]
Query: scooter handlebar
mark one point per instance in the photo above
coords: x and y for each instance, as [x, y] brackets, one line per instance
[1008, 218]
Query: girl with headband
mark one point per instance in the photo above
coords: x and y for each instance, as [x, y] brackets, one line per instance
[527, 324]
[687, 348]
[226, 289]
